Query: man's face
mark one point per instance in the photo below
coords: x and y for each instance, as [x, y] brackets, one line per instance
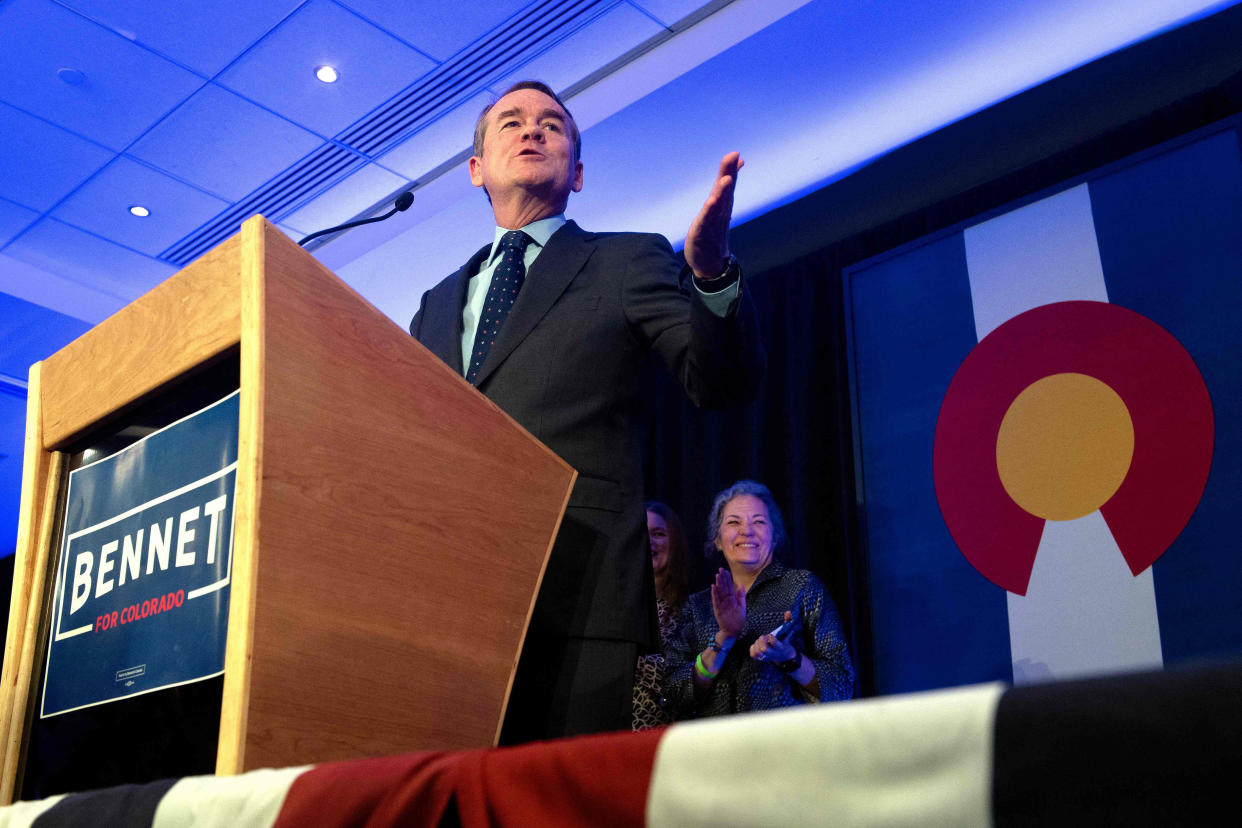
[527, 147]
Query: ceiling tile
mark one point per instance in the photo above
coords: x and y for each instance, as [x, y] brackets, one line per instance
[608, 37]
[13, 219]
[439, 141]
[40, 163]
[294, 234]
[439, 29]
[669, 12]
[224, 144]
[279, 72]
[101, 206]
[206, 37]
[123, 88]
[346, 200]
[78, 255]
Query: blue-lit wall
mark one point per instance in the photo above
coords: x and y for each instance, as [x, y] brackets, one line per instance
[28, 333]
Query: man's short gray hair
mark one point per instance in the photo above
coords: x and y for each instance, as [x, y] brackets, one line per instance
[480, 126]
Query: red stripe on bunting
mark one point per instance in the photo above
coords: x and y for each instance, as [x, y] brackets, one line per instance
[373, 792]
[589, 780]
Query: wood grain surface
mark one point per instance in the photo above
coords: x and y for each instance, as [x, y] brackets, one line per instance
[403, 525]
[41, 478]
[160, 336]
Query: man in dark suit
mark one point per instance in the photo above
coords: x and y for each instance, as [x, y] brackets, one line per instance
[565, 362]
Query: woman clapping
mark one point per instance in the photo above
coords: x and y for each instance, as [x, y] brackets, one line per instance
[763, 635]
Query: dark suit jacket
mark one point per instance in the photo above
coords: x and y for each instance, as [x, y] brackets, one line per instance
[567, 365]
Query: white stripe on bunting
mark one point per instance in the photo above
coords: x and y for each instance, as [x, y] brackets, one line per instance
[920, 759]
[251, 800]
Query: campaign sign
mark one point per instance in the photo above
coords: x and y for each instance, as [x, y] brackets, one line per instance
[142, 588]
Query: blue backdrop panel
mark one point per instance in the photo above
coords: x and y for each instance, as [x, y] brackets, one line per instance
[936, 621]
[1169, 228]
[120, 629]
[1170, 237]
[28, 333]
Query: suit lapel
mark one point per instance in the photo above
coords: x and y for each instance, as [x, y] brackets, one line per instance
[564, 256]
[442, 328]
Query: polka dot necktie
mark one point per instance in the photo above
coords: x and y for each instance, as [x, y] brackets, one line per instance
[507, 280]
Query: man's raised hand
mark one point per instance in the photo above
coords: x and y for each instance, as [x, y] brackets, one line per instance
[707, 242]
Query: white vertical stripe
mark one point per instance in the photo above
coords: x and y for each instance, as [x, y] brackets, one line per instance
[1067, 625]
[251, 800]
[1083, 612]
[922, 759]
[1038, 254]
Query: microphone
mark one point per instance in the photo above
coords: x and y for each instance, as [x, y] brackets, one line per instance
[402, 204]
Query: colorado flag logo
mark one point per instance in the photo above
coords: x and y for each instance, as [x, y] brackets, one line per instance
[1049, 408]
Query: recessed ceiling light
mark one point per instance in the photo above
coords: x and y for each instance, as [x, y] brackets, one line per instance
[326, 73]
[73, 77]
[139, 211]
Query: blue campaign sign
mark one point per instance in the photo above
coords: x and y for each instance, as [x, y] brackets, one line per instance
[142, 588]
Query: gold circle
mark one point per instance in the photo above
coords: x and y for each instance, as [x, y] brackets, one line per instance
[1064, 446]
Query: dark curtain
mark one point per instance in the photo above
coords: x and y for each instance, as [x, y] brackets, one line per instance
[792, 438]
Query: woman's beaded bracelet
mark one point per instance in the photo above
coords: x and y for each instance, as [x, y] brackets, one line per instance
[703, 671]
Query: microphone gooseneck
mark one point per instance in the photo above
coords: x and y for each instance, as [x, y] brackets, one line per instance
[402, 204]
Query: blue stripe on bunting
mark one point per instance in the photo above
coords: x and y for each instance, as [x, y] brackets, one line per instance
[125, 806]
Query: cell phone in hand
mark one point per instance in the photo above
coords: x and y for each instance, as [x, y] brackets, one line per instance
[785, 630]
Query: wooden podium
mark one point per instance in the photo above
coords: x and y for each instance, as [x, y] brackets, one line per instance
[391, 524]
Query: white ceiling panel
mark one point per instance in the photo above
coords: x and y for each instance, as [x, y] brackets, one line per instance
[723, 30]
[279, 72]
[295, 235]
[81, 300]
[223, 143]
[40, 163]
[14, 218]
[393, 275]
[122, 88]
[82, 256]
[592, 46]
[442, 139]
[102, 207]
[347, 199]
[669, 12]
[203, 36]
[440, 30]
